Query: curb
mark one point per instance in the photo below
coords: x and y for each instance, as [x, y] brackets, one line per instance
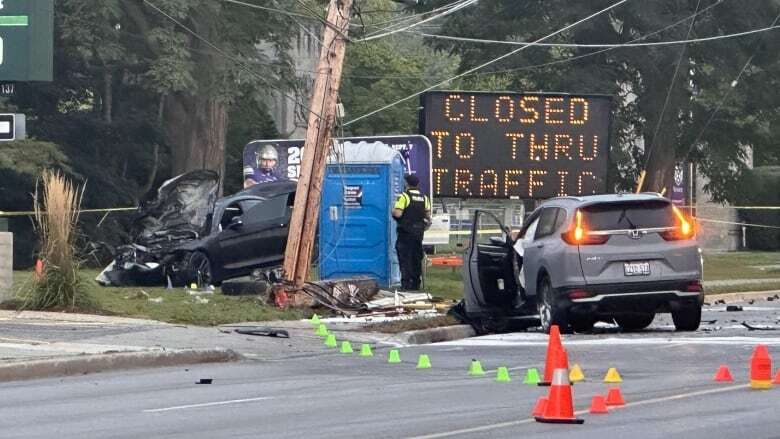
[740, 297]
[435, 335]
[86, 364]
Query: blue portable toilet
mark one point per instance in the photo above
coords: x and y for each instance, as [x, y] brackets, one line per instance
[357, 233]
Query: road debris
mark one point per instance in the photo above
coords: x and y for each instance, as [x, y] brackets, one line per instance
[760, 328]
[204, 381]
[733, 308]
[263, 331]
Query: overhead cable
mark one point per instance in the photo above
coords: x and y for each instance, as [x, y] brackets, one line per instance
[406, 28]
[485, 64]
[597, 46]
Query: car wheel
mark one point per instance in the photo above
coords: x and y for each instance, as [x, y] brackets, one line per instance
[635, 322]
[550, 313]
[687, 318]
[199, 269]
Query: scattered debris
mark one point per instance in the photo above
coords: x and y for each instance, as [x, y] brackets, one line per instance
[720, 302]
[201, 300]
[733, 308]
[760, 328]
[205, 289]
[156, 299]
[347, 296]
[204, 381]
[264, 331]
[138, 295]
[751, 301]
[709, 322]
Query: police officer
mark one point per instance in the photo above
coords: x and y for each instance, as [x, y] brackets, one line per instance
[412, 211]
[266, 159]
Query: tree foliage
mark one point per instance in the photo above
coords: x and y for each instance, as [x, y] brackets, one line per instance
[640, 78]
[137, 98]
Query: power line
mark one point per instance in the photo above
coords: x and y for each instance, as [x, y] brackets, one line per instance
[596, 46]
[399, 20]
[483, 65]
[239, 62]
[434, 17]
[669, 92]
[266, 8]
[725, 97]
[586, 55]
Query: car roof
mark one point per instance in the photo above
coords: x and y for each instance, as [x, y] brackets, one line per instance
[267, 190]
[573, 201]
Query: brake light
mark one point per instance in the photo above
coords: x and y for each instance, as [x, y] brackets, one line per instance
[578, 234]
[694, 287]
[579, 294]
[683, 231]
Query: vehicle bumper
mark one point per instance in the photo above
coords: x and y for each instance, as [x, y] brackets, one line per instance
[651, 297]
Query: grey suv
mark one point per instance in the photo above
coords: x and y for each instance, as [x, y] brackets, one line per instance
[578, 260]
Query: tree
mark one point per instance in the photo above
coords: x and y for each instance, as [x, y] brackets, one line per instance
[650, 131]
[382, 71]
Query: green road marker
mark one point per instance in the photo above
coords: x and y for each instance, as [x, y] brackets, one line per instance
[476, 368]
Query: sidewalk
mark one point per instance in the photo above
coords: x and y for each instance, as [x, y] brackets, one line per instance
[62, 343]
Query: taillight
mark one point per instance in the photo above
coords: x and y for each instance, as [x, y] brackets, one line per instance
[579, 235]
[579, 294]
[694, 287]
[684, 229]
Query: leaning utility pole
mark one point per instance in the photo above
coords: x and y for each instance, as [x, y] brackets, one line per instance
[322, 118]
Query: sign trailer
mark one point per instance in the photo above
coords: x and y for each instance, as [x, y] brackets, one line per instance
[517, 145]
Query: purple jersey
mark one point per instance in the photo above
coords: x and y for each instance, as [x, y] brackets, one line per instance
[260, 175]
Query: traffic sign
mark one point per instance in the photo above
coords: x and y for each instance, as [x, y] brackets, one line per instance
[26, 40]
[7, 131]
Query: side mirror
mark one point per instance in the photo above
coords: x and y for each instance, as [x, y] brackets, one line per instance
[235, 223]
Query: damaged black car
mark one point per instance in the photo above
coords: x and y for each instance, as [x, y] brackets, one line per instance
[185, 234]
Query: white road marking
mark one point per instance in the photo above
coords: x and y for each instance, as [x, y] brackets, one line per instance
[207, 404]
[541, 340]
[489, 427]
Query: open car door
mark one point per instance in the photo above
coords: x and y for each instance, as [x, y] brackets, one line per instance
[491, 288]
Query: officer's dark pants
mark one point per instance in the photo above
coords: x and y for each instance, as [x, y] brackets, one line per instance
[410, 254]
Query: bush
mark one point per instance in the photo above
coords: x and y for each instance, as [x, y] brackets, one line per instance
[59, 285]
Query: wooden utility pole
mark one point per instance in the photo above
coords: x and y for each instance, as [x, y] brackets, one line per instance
[322, 119]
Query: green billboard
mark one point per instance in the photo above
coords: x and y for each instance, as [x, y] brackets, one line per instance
[26, 40]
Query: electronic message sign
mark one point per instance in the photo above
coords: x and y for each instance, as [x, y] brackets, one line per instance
[26, 40]
[517, 145]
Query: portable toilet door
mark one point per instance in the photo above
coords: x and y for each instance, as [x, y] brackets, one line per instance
[357, 233]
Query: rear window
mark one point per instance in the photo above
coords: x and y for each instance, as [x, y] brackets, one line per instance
[629, 215]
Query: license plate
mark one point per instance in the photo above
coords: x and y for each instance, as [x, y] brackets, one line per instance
[636, 268]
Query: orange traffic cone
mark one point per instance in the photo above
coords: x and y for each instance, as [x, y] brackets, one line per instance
[560, 406]
[614, 397]
[598, 405]
[777, 378]
[761, 368]
[552, 361]
[541, 403]
[723, 374]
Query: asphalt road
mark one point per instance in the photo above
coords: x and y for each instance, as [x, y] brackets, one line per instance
[667, 385]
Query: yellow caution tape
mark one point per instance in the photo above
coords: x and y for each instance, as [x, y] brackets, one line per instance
[116, 209]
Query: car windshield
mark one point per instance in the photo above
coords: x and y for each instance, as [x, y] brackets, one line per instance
[629, 215]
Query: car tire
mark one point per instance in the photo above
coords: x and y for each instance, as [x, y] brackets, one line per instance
[551, 313]
[199, 269]
[635, 322]
[687, 318]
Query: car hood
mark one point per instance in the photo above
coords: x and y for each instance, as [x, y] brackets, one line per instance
[182, 205]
